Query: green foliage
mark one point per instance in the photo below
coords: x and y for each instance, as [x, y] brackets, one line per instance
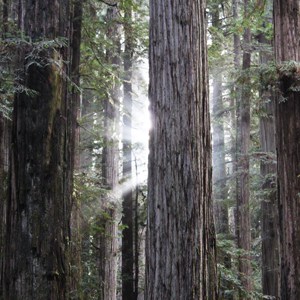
[229, 278]
[255, 80]
[11, 68]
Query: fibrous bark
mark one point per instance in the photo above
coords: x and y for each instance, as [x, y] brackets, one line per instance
[40, 183]
[180, 247]
[287, 111]
[107, 238]
[269, 205]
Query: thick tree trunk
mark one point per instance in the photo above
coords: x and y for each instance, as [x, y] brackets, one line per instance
[180, 250]
[243, 192]
[287, 48]
[40, 187]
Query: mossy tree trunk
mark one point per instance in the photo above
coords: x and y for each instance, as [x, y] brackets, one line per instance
[287, 112]
[41, 164]
[180, 246]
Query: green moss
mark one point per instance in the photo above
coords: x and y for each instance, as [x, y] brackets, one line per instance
[56, 82]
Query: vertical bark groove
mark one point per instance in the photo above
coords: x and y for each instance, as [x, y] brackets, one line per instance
[180, 235]
[40, 184]
[287, 48]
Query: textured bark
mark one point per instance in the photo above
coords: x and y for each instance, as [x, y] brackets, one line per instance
[40, 187]
[180, 249]
[287, 25]
[75, 260]
[243, 192]
[5, 134]
[5, 128]
[107, 255]
[5, 138]
[269, 207]
[128, 292]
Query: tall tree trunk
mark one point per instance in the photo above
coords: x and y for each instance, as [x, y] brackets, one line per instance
[110, 170]
[180, 250]
[243, 192]
[5, 128]
[40, 187]
[270, 234]
[220, 190]
[76, 271]
[4, 17]
[5, 133]
[287, 48]
[107, 250]
[127, 218]
[234, 116]
[269, 207]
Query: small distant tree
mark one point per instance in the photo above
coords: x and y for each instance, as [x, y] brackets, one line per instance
[243, 145]
[128, 195]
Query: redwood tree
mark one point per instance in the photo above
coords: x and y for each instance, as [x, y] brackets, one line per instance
[243, 145]
[128, 292]
[40, 184]
[269, 207]
[180, 249]
[287, 49]
[107, 219]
